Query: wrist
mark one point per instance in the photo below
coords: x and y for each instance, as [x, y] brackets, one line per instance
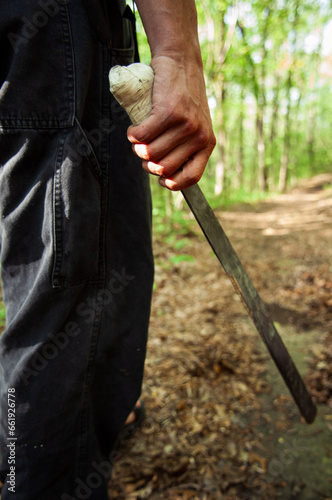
[189, 61]
[171, 28]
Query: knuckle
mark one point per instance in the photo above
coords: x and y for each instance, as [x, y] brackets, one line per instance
[142, 151]
[142, 154]
[137, 137]
[213, 141]
[158, 169]
[148, 155]
[174, 115]
[194, 176]
[163, 171]
[191, 125]
[203, 136]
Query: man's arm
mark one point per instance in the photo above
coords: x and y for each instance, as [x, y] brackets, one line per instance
[179, 131]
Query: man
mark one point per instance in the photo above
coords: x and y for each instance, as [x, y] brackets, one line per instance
[76, 227]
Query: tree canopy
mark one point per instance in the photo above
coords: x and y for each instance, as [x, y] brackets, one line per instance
[268, 68]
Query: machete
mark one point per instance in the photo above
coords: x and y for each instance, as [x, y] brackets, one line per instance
[132, 88]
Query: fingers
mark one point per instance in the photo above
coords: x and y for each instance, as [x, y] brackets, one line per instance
[189, 174]
[172, 148]
[155, 148]
[179, 155]
[177, 171]
[182, 167]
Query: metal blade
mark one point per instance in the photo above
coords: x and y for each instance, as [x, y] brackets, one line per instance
[228, 258]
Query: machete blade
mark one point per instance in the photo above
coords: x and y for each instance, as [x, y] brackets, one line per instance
[254, 305]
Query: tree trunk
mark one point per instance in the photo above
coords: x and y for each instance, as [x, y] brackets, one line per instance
[261, 104]
[221, 135]
[239, 164]
[221, 164]
[262, 170]
[274, 131]
[283, 175]
[311, 136]
[275, 110]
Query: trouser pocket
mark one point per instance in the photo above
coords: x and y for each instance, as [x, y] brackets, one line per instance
[79, 207]
[114, 23]
[52, 209]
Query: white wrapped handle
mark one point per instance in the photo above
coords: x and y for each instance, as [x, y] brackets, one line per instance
[132, 88]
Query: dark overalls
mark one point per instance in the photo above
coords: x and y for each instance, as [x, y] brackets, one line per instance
[76, 258]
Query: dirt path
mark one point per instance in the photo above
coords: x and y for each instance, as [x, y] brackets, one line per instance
[220, 423]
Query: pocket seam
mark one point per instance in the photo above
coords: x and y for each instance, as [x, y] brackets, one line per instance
[59, 277]
[91, 156]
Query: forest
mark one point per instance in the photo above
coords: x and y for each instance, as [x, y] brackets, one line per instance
[268, 70]
[220, 423]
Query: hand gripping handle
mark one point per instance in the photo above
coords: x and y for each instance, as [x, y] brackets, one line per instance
[132, 88]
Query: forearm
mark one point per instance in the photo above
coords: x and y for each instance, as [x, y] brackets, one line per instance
[171, 28]
[177, 140]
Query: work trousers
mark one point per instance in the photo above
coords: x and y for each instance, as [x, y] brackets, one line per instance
[76, 257]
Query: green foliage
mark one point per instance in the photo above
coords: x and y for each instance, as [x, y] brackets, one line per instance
[144, 49]
[166, 219]
[176, 259]
[263, 60]
[2, 315]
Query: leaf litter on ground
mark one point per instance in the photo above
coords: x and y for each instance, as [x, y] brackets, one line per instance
[204, 374]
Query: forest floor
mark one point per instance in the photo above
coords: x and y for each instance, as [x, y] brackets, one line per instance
[220, 422]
